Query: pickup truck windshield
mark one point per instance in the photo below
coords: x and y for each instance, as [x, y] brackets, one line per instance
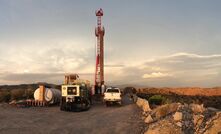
[113, 90]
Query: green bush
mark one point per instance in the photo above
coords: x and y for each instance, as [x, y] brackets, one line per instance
[157, 100]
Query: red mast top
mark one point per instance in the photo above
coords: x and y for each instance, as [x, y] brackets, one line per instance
[99, 12]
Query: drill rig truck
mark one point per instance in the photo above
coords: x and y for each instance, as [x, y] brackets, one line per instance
[76, 94]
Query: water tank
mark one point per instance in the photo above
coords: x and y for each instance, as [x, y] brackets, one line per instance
[51, 95]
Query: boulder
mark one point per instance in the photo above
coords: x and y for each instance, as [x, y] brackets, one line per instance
[149, 119]
[140, 102]
[165, 110]
[197, 108]
[146, 106]
[215, 127]
[135, 98]
[177, 116]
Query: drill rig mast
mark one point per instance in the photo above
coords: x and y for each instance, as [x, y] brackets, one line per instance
[99, 72]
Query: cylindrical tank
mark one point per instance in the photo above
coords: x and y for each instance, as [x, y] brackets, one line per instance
[51, 95]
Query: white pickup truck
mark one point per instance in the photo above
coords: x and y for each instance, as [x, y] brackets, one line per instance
[112, 95]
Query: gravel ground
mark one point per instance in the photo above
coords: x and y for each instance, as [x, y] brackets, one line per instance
[99, 119]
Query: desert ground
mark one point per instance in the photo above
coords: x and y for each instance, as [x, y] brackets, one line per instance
[50, 120]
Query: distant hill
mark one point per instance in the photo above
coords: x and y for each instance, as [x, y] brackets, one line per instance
[130, 85]
[28, 86]
[22, 91]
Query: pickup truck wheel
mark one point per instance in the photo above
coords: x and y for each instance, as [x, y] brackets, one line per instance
[120, 103]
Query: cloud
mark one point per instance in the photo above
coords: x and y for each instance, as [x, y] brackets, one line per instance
[156, 75]
[186, 61]
[193, 55]
[56, 57]
[179, 69]
[114, 65]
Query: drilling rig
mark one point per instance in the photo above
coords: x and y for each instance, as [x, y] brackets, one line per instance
[99, 71]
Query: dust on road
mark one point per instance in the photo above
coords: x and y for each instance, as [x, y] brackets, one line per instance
[98, 120]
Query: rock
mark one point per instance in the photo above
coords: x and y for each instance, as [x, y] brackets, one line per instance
[177, 116]
[179, 124]
[165, 110]
[197, 120]
[212, 109]
[154, 131]
[187, 123]
[164, 128]
[197, 108]
[135, 98]
[149, 119]
[143, 118]
[146, 106]
[145, 114]
[215, 128]
[139, 102]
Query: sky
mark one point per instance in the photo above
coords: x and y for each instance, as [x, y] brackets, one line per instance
[147, 42]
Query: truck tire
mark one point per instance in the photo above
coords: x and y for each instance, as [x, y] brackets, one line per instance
[86, 105]
[107, 104]
[62, 107]
[63, 104]
[120, 103]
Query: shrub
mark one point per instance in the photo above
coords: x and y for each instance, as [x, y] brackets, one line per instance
[29, 93]
[17, 94]
[5, 96]
[157, 100]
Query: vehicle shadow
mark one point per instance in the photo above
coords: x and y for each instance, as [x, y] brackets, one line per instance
[126, 100]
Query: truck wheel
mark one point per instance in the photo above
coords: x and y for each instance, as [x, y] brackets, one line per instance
[107, 103]
[62, 107]
[88, 104]
[62, 104]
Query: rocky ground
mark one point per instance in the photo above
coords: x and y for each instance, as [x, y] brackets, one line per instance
[209, 97]
[188, 91]
[180, 118]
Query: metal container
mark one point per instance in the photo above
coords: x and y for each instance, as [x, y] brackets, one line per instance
[50, 95]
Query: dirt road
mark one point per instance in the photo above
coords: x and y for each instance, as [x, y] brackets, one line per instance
[98, 120]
